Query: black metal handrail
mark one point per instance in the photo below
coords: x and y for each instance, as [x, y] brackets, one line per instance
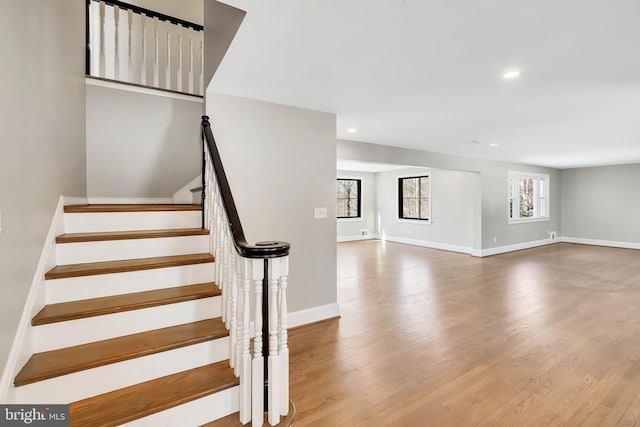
[153, 14]
[271, 249]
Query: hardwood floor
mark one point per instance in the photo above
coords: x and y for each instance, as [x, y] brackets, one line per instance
[546, 336]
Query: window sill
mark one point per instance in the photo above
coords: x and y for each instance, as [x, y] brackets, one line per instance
[414, 221]
[524, 221]
[359, 219]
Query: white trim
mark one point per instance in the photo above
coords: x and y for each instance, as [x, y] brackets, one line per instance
[129, 200]
[514, 247]
[354, 219]
[357, 237]
[526, 220]
[414, 221]
[315, 314]
[21, 347]
[75, 201]
[143, 90]
[595, 242]
[427, 244]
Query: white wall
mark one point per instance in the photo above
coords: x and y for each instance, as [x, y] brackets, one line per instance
[602, 203]
[140, 145]
[348, 229]
[492, 190]
[452, 208]
[281, 164]
[42, 125]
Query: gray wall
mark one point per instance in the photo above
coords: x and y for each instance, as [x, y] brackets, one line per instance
[140, 145]
[602, 203]
[189, 10]
[42, 128]
[493, 188]
[452, 207]
[368, 207]
[281, 164]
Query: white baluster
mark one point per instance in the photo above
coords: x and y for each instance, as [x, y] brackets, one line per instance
[143, 65]
[283, 347]
[130, 46]
[167, 72]
[190, 65]
[236, 348]
[234, 310]
[156, 62]
[201, 67]
[102, 41]
[228, 269]
[179, 71]
[116, 54]
[94, 8]
[257, 371]
[245, 368]
[273, 361]
[223, 277]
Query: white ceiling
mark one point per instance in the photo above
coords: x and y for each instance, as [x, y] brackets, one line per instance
[427, 74]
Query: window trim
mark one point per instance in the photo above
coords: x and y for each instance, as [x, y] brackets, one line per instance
[516, 176]
[351, 218]
[400, 218]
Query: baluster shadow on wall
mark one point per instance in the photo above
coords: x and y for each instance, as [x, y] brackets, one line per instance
[161, 51]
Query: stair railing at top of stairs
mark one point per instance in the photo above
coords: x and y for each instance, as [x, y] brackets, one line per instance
[131, 44]
[243, 269]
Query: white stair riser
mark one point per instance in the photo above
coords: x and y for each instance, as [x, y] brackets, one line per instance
[196, 412]
[81, 331]
[92, 382]
[101, 285]
[77, 253]
[127, 221]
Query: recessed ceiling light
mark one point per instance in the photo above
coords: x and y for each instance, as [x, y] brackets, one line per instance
[351, 130]
[511, 74]
[494, 144]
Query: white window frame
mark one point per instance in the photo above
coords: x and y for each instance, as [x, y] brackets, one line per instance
[541, 182]
[399, 196]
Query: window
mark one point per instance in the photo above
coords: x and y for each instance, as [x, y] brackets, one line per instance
[348, 198]
[414, 198]
[528, 197]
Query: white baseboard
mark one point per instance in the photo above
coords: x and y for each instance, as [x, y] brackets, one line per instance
[22, 346]
[357, 237]
[315, 314]
[427, 244]
[595, 242]
[143, 90]
[129, 200]
[514, 247]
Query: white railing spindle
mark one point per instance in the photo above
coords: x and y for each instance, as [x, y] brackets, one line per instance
[167, 69]
[156, 54]
[257, 368]
[190, 72]
[143, 64]
[130, 74]
[283, 346]
[103, 65]
[116, 38]
[273, 361]
[245, 368]
[179, 72]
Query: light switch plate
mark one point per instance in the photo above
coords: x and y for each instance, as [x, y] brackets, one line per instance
[319, 213]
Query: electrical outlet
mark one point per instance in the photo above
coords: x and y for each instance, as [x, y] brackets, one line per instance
[364, 232]
[320, 213]
[553, 235]
[495, 239]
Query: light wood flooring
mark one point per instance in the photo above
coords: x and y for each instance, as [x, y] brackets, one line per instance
[545, 336]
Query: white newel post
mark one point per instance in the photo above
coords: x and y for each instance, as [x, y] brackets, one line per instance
[257, 368]
[283, 348]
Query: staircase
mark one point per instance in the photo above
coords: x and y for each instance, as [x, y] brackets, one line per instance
[131, 330]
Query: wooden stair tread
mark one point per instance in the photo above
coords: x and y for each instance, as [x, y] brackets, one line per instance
[129, 235]
[50, 364]
[233, 420]
[129, 208]
[107, 267]
[81, 309]
[140, 400]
